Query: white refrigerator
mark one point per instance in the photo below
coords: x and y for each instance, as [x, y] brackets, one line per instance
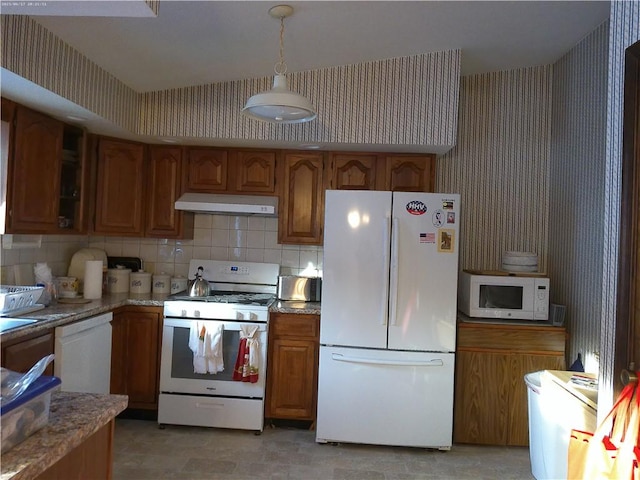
[388, 318]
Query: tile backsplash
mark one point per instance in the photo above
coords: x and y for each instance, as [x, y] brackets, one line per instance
[216, 237]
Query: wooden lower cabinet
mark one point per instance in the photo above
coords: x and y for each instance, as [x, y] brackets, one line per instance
[19, 355]
[135, 355]
[292, 364]
[490, 392]
[92, 459]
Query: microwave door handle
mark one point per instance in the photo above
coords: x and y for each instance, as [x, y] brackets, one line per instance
[385, 283]
[393, 287]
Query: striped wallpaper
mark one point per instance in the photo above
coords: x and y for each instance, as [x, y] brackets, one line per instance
[32, 52]
[624, 31]
[577, 190]
[500, 165]
[406, 101]
[400, 101]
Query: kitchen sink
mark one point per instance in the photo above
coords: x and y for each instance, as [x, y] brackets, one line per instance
[7, 323]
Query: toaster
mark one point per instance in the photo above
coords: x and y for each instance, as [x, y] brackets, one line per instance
[305, 289]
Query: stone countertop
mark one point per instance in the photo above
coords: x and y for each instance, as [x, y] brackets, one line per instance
[73, 418]
[282, 306]
[63, 313]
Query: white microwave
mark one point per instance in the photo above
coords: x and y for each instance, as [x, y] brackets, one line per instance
[508, 296]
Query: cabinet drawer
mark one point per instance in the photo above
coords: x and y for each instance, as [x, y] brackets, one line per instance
[511, 338]
[295, 326]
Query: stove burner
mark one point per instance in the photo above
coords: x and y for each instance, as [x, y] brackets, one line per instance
[239, 298]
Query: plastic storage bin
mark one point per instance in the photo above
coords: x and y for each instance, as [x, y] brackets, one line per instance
[555, 408]
[28, 413]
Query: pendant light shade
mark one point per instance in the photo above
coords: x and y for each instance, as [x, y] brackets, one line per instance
[280, 105]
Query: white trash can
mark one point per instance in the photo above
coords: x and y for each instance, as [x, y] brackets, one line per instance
[553, 412]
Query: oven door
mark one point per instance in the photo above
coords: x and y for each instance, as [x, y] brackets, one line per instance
[177, 371]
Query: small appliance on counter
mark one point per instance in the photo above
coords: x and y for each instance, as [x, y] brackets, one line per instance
[132, 263]
[305, 289]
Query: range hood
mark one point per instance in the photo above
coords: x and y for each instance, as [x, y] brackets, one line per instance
[228, 204]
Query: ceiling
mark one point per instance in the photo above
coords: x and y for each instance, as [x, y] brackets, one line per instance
[202, 42]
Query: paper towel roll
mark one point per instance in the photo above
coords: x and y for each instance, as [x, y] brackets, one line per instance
[93, 279]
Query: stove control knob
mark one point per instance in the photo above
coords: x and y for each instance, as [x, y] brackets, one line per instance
[253, 316]
[196, 313]
[183, 313]
[239, 315]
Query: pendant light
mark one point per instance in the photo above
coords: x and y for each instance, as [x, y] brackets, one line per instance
[280, 105]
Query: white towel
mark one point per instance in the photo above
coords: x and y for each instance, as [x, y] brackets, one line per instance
[213, 350]
[197, 335]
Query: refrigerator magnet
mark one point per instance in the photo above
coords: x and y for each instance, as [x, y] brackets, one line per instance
[428, 237]
[438, 218]
[451, 217]
[446, 240]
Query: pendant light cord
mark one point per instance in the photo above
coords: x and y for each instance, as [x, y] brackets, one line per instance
[281, 67]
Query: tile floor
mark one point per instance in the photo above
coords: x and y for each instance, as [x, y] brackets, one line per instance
[143, 451]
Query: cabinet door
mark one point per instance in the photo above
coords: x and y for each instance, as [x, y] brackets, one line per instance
[34, 185]
[143, 333]
[294, 365]
[520, 365]
[135, 355]
[120, 188]
[353, 171]
[481, 409]
[165, 176]
[292, 379]
[254, 171]
[207, 170]
[21, 355]
[409, 173]
[300, 212]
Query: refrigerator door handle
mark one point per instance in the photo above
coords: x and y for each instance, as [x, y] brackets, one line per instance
[375, 361]
[385, 285]
[393, 287]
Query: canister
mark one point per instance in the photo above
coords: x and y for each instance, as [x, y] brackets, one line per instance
[118, 279]
[140, 282]
[178, 284]
[161, 283]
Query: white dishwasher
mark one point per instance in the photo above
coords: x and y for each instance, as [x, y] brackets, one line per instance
[83, 355]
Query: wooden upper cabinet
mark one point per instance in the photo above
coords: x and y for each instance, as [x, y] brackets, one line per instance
[120, 189]
[378, 171]
[353, 171]
[163, 188]
[301, 206]
[216, 170]
[254, 171]
[7, 109]
[207, 170]
[35, 173]
[409, 173]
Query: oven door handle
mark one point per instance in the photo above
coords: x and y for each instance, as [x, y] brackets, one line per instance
[229, 326]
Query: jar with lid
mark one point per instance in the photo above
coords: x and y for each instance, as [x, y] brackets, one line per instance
[140, 282]
[161, 283]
